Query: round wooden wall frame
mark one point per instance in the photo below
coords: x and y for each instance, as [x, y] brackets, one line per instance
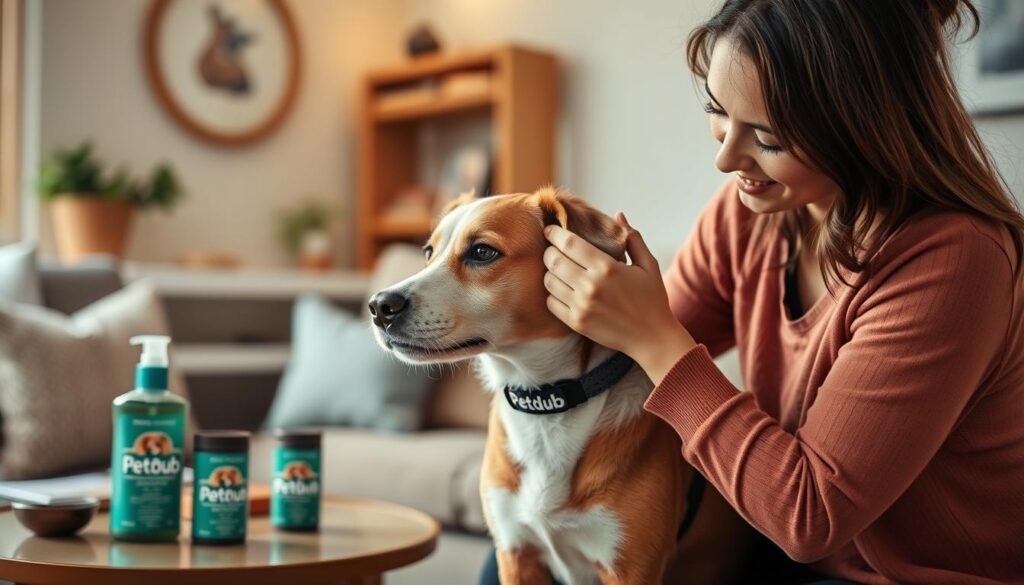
[163, 94]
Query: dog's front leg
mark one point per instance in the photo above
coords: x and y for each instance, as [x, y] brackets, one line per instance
[522, 566]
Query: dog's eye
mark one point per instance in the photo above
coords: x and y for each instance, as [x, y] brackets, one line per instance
[428, 251]
[482, 254]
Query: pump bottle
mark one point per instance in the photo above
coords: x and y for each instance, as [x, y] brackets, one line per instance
[147, 457]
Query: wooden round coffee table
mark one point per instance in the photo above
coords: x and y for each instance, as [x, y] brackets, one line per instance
[357, 542]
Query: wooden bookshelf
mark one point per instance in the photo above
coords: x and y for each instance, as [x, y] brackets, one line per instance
[519, 102]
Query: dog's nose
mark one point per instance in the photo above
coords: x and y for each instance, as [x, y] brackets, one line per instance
[385, 306]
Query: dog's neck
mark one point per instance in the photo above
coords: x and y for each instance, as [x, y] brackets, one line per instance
[539, 362]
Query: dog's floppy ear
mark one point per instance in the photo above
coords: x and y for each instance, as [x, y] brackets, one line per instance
[574, 214]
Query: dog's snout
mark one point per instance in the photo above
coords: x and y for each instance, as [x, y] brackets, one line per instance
[385, 306]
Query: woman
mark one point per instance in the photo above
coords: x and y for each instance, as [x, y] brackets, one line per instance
[866, 260]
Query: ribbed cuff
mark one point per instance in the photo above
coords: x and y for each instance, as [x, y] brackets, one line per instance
[691, 391]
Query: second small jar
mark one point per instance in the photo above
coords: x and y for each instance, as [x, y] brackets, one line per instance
[295, 493]
[220, 498]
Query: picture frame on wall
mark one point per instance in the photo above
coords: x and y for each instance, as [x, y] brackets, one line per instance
[991, 65]
[226, 71]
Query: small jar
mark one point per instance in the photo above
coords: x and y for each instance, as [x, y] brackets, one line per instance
[220, 487]
[295, 489]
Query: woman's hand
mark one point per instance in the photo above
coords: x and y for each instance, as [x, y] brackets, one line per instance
[620, 306]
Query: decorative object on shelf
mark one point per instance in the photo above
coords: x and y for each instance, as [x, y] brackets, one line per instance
[228, 72]
[422, 41]
[91, 213]
[467, 169]
[305, 231]
[991, 69]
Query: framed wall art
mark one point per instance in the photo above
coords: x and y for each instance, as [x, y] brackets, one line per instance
[227, 71]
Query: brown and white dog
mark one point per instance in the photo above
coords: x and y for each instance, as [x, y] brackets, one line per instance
[593, 494]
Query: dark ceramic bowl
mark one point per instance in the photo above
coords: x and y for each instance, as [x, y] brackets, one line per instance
[58, 520]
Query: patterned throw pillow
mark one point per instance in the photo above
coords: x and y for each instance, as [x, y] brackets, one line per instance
[59, 375]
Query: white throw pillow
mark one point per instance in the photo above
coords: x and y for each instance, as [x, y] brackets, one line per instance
[338, 376]
[59, 375]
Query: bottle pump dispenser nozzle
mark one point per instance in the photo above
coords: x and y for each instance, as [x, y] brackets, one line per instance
[154, 349]
[151, 373]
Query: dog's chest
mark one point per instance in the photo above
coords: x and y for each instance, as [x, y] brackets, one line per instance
[548, 447]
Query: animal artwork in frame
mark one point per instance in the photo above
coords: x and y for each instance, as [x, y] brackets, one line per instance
[226, 71]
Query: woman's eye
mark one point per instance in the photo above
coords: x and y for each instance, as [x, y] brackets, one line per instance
[711, 109]
[482, 253]
[767, 148]
[428, 251]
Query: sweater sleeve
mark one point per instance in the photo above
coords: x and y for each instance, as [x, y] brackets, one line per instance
[700, 282]
[921, 343]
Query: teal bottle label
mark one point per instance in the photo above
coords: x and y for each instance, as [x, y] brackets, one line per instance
[295, 497]
[146, 466]
[220, 498]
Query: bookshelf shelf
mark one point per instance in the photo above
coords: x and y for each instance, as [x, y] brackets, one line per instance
[514, 89]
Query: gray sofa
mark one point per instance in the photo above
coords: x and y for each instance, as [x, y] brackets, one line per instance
[436, 470]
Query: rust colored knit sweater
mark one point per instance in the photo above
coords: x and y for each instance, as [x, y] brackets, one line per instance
[880, 436]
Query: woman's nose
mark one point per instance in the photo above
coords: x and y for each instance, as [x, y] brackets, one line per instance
[731, 157]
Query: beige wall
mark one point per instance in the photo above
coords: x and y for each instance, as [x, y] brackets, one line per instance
[93, 86]
[633, 137]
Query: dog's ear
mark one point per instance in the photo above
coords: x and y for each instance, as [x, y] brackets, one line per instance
[576, 215]
[462, 199]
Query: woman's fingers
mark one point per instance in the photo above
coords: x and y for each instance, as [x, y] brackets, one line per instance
[559, 309]
[574, 247]
[564, 268]
[558, 288]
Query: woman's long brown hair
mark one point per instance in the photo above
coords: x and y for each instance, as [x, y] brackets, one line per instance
[864, 92]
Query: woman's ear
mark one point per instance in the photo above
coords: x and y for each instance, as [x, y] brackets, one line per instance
[576, 215]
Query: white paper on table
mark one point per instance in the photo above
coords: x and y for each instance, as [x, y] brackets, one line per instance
[61, 490]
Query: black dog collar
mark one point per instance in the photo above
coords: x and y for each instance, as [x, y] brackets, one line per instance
[567, 394]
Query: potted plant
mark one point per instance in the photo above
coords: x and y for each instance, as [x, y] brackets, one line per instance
[92, 214]
[305, 232]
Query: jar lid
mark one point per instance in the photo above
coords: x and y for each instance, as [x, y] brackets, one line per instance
[222, 441]
[298, 438]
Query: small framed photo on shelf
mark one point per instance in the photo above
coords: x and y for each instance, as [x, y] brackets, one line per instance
[991, 65]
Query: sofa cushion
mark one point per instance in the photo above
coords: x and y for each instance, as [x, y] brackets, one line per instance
[437, 472]
[458, 402]
[59, 375]
[19, 279]
[337, 375]
[71, 288]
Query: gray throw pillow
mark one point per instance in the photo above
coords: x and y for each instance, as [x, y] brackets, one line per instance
[338, 375]
[19, 277]
[59, 375]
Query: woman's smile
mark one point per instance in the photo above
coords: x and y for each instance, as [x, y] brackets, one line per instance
[753, 186]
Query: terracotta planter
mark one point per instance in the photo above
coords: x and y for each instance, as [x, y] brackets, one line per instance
[315, 251]
[90, 225]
